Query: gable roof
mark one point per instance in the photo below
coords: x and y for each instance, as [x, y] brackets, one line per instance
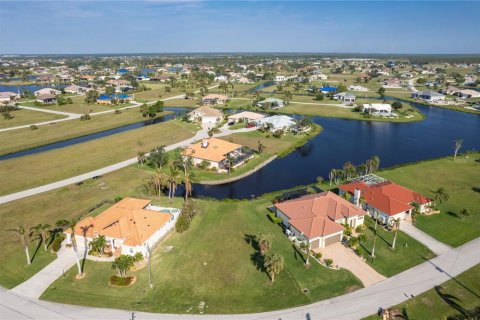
[214, 96]
[126, 220]
[315, 214]
[215, 150]
[387, 196]
[278, 121]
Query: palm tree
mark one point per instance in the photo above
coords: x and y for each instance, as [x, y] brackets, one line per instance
[440, 195]
[396, 226]
[172, 180]
[20, 231]
[41, 231]
[188, 178]
[332, 175]
[71, 225]
[158, 181]
[274, 264]
[346, 196]
[261, 147]
[264, 243]
[457, 147]
[229, 163]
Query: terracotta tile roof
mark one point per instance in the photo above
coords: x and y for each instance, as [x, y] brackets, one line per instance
[216, 149]
[315, 214]
[126, 220]
[387, 196]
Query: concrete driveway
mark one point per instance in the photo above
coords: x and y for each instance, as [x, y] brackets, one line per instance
[345, 258]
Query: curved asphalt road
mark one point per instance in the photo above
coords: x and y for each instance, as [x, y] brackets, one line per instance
[353, 305]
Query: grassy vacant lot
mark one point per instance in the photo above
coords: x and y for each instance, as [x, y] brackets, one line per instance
[408, 251]
[463, 291]
[79, 106]
[38, 169]
[23, 117]
[23, 139]
[49, 207]
[461, 180]
[214, 263]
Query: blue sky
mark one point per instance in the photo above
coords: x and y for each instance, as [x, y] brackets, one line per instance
[239, 26]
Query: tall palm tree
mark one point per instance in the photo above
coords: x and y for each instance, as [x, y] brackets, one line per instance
[264, 243]
[20, 231]
[172, 180]
[440, 195]
[71, 225]
[396, 226]
[274, 264]
[158, 181]
[41, 231]
[188, 179]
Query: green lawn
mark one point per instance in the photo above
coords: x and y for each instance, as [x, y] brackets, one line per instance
[408, 252]
[79, 106]
[24, 117]
[22, 139]
[50, 166]
[214, 263]
[463, 291]
[461, 179]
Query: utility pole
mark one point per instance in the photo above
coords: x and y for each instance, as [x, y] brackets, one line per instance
[150, 283]
[374, 238]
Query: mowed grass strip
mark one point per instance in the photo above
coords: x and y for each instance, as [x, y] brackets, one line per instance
[461, 180]
[439, 303]
[214, 263]
[23, 139]
[24, 117]
[50, 166]
[47, 208]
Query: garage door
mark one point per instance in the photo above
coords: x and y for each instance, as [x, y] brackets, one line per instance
[315, 244]
[333, 239]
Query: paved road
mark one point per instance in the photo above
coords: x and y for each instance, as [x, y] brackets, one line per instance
[354, 305]
[201, 134]
[433, 244]
[411, 86]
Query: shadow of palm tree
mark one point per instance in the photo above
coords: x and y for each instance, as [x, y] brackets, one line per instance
[258, 261]
[39, 244]
[451, 300]
[299, 253]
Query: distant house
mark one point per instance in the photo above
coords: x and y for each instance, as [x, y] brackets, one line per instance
[47, 98]
[386, 200]
[357, 88]
[392, 83]
[451, 90]
[345, 97]
[129, 226]
[121, 72]
[160, 78]
[319, 76]
[220, 78]
[469, 93]
[7, 96]
[280, 78]
[113, 98]
[430, 96]
[213, 99]
[318, 218]
[277, 122]
[245, 116]
[120, 85]
[47, 91]
[327, 89]
[378, 109]
[272, 103]
[205, 114]
[76, 89]
[143, 78]
[217, 153]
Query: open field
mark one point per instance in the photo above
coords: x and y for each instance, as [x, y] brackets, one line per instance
[79, 106]
[30, 171]
[22, 139]
[24, 117]
[212, 262]
[408, 251]
[448, 299]
[461, 180]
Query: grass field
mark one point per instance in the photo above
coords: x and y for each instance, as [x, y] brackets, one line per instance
[23, 139]
[24, 117]
[461, 180]
[444, 300]
[79, 106]
[30, 171]
[214, 263]
[408, 252]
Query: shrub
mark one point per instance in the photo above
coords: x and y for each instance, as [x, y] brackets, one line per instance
[117, 199]
[33, 127]
[274, 218]
[328, 262]
[318, 255]
[120, 281]
[118, 111]
[85, 117]
[57, 242]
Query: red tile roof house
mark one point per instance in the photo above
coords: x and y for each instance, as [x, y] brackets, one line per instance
[318, 217]
[386, 201]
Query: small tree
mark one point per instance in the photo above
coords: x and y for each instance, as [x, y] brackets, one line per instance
[440, 195]
[381, 91]
[98, 244]
[264, 243]
[20, 231]
[123, 264]
[464, 213]
[274, 264]
[157, 157]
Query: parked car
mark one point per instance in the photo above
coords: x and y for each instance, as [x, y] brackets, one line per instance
[250, 125]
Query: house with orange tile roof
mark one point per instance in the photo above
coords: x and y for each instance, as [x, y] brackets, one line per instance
[386, 200]
[217, 152]
[318, 217]
[130, 226]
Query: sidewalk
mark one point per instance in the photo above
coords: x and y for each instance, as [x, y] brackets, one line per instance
[436, 246]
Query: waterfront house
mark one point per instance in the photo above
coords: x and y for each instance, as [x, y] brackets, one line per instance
[76, 89]
[47, 91]
[392, 83]
[245, 116]
[46, 98]
[377, 109]
[469, 93]
[129, 226]
[8, 96]
[357, 88]
[113, 98]
[345, 97]
[328, 89]
[217, 153]
[429, 96]
[318, 218]
[205, 114]
[273, 103]
[385, 200]
[213, 99]
[277, 122]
